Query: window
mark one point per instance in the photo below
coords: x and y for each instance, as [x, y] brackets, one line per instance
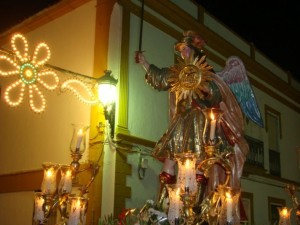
[273, 128]
[274, 203]
[246, 208]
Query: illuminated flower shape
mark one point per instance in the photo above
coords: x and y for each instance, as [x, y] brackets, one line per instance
[31, 74]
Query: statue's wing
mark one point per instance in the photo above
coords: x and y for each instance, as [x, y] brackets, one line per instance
[235, 76]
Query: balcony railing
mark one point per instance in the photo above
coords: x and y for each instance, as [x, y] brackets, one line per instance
[255, 156]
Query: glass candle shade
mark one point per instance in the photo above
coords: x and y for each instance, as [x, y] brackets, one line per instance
[186, 176]
[65, 184]
[229, 213]
[211, 129]
[38, 208]
[49, 180]
[169, 166]
[175, 204]
[284, 216]
[78, 142]
[77, 215]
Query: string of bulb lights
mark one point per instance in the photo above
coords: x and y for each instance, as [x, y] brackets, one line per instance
[33, 73]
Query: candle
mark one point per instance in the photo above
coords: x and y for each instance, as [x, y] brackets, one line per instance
[229, 202]
[38, 209]
[49, 179]
[177, 203]
[212, 127]
[79, 139]
[284, 214]
[188, 174]
[49, 184]
[74, 217]
[66, 182]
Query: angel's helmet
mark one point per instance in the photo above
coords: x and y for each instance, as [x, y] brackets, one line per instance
[193, 40]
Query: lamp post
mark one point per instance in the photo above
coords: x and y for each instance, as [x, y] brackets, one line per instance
[107, 96]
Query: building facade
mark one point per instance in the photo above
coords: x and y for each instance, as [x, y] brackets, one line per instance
[88, 37]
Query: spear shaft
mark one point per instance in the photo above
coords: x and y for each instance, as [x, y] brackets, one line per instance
[141, 27]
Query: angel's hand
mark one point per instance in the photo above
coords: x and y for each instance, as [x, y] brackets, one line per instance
[141, 59]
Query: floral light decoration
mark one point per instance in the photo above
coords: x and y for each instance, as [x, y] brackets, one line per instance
[32, 73]
[77, 87]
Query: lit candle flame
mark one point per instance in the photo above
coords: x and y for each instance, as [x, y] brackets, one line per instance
[228, 195]
[49, 173]
[284, 212]
[212, 116]
[187, 164]
[178, 192]
[212, 126]
[78, 203]
[68, 173]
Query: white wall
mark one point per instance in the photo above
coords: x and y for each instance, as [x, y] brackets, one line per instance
[148, 109]
[261, 191]
[146, 188]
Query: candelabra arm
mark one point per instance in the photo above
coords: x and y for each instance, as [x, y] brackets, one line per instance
[49, 205]
[206, 164]
[95, 170]
[162, 196]
[209, 209]
[209, 206]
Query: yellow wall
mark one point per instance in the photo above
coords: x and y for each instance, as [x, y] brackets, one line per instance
[29, 139]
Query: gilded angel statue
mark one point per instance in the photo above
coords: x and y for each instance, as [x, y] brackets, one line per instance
[193, 87]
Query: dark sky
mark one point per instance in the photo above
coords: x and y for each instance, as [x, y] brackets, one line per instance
[271, 25]
[13, 12]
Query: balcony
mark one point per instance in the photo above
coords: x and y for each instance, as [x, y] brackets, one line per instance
[255, 158]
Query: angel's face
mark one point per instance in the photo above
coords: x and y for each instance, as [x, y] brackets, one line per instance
[185, 51]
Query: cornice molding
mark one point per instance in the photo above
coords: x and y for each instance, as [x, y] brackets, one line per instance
[30, 180]
[16, 182]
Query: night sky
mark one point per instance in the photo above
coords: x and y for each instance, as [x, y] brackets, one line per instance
[272, 26]
[13, 12]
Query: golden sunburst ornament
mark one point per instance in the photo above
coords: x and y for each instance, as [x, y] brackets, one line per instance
[189, 78]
